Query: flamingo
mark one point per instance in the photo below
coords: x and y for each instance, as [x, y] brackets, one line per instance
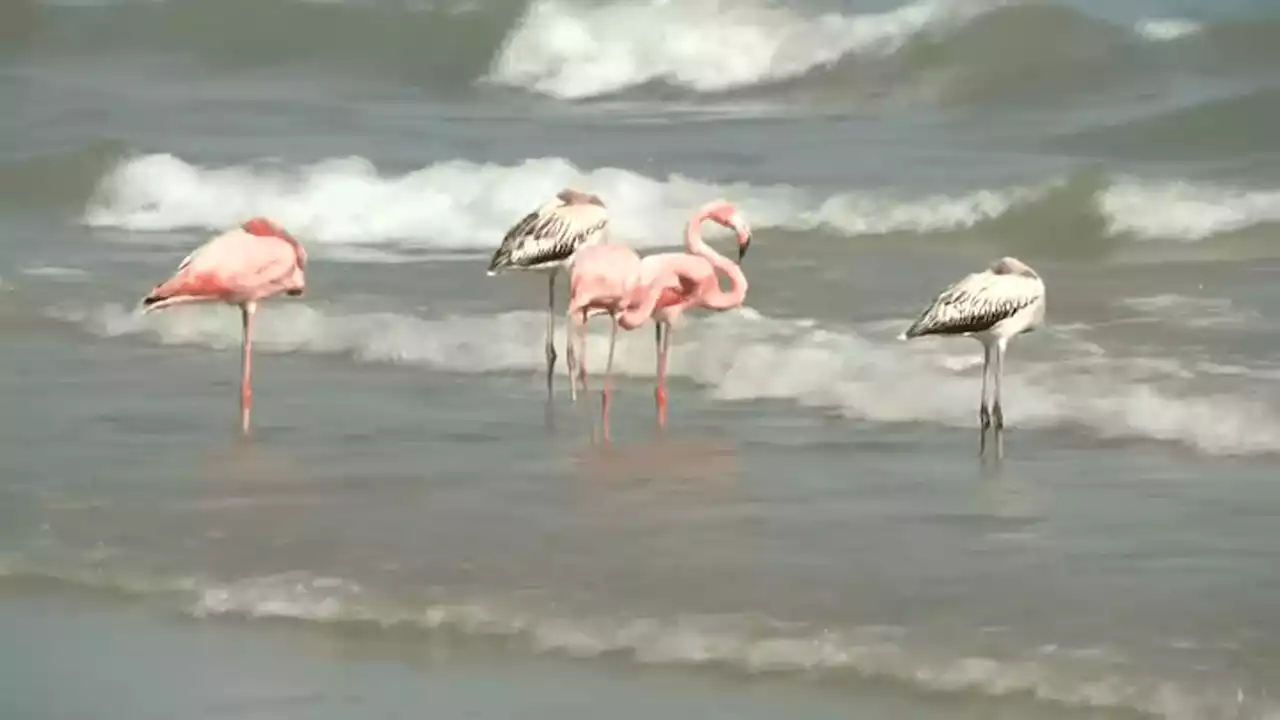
[241, 267]
[688, 280]
[993, 306]
[606, 278]
[546, 240]
[691, 282]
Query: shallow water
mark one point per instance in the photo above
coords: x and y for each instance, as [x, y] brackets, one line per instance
[815, 534]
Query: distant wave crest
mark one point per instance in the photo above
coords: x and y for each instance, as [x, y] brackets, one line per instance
[464, 205]
[346, 207]
[955, 50]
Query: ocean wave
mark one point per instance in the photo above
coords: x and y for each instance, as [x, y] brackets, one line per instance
[952, 49]
[1167, 29]
[1239, 125]
[1085, 677]
[345, 208]
[859, 372]
[579, 49]
[571, 50]
[464, 205]
[1184, 210]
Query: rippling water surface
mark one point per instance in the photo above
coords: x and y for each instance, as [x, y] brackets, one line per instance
[405, 533]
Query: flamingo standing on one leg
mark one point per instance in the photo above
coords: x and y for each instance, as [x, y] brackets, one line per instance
[546, 240]
[691, 282]
[606, 278]
[239, 267]
[994, 306]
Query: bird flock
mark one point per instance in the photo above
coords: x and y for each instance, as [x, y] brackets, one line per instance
[571, 233]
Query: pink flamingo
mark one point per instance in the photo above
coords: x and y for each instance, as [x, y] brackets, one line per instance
[606, 278]
[688, 280]
[239, 267]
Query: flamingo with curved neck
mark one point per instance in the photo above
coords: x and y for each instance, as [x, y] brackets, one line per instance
[606, 278]
[689, 280]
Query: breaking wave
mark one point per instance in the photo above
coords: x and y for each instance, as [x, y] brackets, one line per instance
[465, 205]
[580, 49]
[1084, 677]
[1065, 380]
[345, 207]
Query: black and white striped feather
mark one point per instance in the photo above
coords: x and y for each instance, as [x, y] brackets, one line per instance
[549, 236]
[980, 301]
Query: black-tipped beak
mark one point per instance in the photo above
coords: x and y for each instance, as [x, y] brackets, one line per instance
[742, 248]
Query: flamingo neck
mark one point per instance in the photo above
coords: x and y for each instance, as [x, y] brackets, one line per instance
[715, 298]
[643, 301]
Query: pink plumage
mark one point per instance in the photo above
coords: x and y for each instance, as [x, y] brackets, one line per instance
[245, 264]
[606, 278]
[242, 266]
[688, 280]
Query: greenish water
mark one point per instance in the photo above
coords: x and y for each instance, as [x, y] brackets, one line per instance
[406, 535]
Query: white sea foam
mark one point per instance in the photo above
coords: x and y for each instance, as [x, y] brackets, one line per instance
[1093, 677]
[1183, 210]
[1166, 29]
[1195, 312]
[56, 272]
[576, 50]
[862, 372]
[346, 202]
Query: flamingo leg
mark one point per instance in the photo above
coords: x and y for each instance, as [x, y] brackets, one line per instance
[551, 328]
[984, 415]
[246, 366]
[997, 413]
[660, 393]
[582, 345]
[606, 392]
[570, 354]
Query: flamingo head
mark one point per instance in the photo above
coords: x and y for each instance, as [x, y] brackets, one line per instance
[263, 227]
[726, 213]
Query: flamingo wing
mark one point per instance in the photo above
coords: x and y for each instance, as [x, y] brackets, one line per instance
[977, 302]
[551, 234]
[235, 266]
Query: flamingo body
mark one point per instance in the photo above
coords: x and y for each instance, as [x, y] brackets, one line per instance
[607, 278]
[546, 240]
[691, 281]
[241, 267]
[993, 306]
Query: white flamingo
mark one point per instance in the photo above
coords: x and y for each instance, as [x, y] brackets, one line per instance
[546, 240]
[992, 306]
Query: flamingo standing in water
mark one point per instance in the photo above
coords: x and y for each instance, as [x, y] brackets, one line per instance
[993, 307]
[691, 281]
[688, 280]
[546, 240]
[606, 278]
[239, 267]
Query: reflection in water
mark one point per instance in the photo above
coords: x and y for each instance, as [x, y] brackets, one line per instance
[662, 472]
[667, 461]
[1004, 492]
[669, 508]
[996, 451]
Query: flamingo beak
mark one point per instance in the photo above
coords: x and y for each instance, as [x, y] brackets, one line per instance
[744, 242]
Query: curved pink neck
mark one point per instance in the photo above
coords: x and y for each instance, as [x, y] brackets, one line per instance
[715, 298]
[638, 313]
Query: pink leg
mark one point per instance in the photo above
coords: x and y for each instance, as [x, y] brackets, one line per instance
[660, 392]
[607, 392]
[246, 369]
[571, 355]
[582, 359]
